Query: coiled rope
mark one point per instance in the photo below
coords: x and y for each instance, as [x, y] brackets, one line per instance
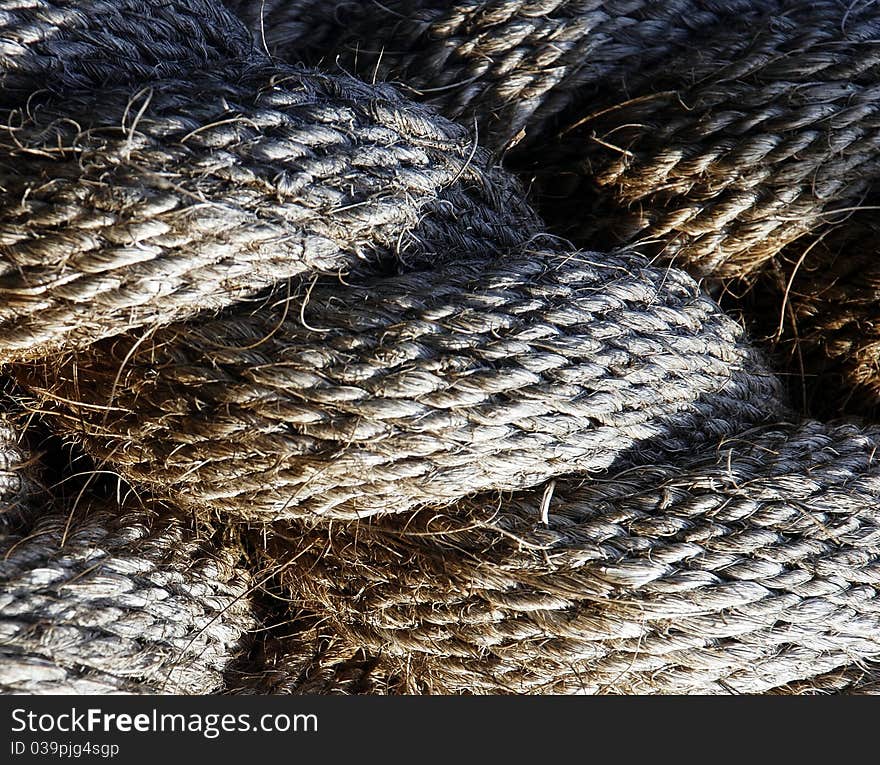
[730, 139]
[735, 573]
[475, 458]
[110, 599]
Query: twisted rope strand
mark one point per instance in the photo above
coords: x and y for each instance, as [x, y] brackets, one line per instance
[66, 45]
[130, 207]
[727, 138]
[741, 572]
[421, 389]
[493, 463]
[515, 65]
[120, 602]
[104, 599]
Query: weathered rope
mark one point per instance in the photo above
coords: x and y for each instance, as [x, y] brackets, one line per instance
[853, 681]
[725, 161]
[737, 573]
[166, 201]
[104, 599]
[721, 136]
[511, 65]
[309, 658]
[825, 335]
[414, 389]
[723, 157]
[117, 602]
[60, 45]
[493, 463]
[17, 483]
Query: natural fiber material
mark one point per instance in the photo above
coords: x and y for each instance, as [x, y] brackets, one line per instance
[720, 156]
[61, 45]
[720, 136]
[853, 681]
[424, 388]
[14, 481]
[723, 162]
[108, 599]
[494, 463]
[117, 601]
[308, 658]
[189, 195]
[739, 572]
[511, 65]
[826, 330]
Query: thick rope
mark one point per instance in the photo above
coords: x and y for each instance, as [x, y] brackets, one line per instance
[117, 602]
[723, 157]
[853, 681]
[166, 201]
[422, 389]
[724, 137]
[511, 65]
[758, 150]
[493, 463]
[61, 45]
[17, 481]
[106, 599]
[737, 573]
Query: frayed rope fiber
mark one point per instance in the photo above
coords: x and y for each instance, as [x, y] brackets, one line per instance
[729, 138]
[512, 65]
[733, 573]
[118, 602]
[420, 443]
[191, 194]
[109, 599]
[413, 389]
[111, 41]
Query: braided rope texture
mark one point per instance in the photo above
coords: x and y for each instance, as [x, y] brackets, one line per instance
[510, 65]
[166, 201]
[13, 481]
[739, 573]
[313, 319]
[425, 388]
[728, 138]
[107, 599]
[20, 478]
[39, 39]
[117, 602]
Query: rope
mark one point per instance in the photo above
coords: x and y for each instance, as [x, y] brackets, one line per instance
[167, 201]
[111, 599]
[59, 45]
[314, 319]
[726, 138]
[738, 572]
[513, 66]
[425, 388]
[13, 483]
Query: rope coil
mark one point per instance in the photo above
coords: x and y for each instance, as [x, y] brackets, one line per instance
[461, 454]
[730, 139]
[110, 599]
[217, 189]
[426, 387]
[738, 573]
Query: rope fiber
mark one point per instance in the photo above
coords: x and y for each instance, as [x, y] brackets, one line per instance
[369, 423]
